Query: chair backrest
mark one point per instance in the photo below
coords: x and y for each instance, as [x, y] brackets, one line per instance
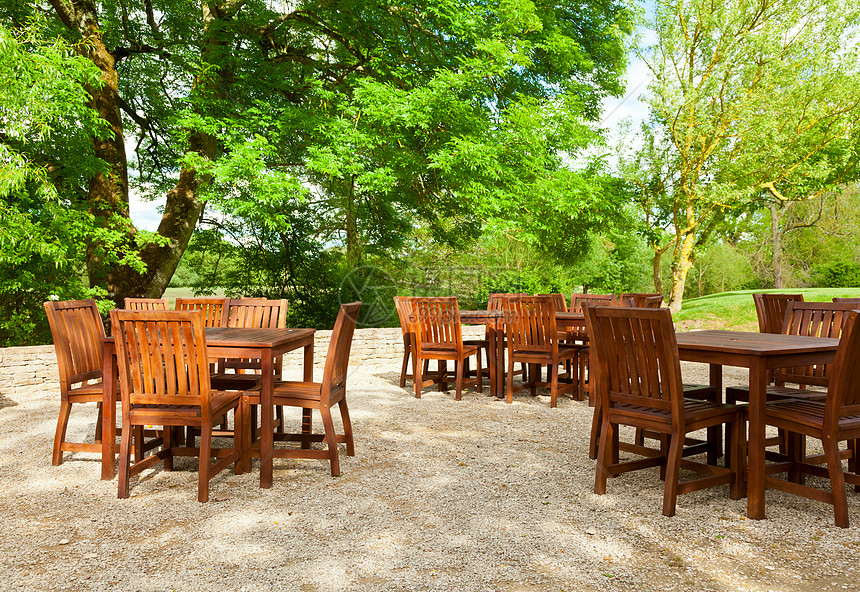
[530, 323]
[146, 304]
[255, 313]
[558, 301]
[578, 300]
[161, 355]
[770, 309]
[337, 357]
[637, 358]
[655, 301]
[213, 308]
[855, 300]
[436, 323]
[78, 333]
[843, 393]
[639, 298]
[496, 300]
[813, 319]
[401, 303]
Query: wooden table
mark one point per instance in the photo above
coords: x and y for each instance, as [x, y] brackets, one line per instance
[759, 352]
[495, 322]
[222, 342]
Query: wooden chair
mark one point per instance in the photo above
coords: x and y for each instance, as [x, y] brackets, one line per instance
[438, 336]
[558, 300]
[639, 298]
[213, 308]
[402, 306]
[812, 319]
[577, 300]
[146, 304]
[78, 333]
[164, 380]
[639, 384]
[770, 309]
[651, 301]
[835, 419]
[532, 336]
[244, 373]
[321, 396]
[853, 300]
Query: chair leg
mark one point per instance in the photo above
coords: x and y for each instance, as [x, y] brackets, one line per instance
[279, 418]
[735, 451]
[204, 468]
[604, 456]
[417, 377]
[124, 459]
[673, 470]
[837, 483]
[595, 432]
[553, 385]
[405, 365]
[168, 444]
[330, 440]
[347, 428]
[510, 381]
[60, 435]
[459, 368]
[98, 436]
[307, 427]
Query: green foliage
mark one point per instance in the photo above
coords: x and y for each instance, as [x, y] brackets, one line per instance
[43, 229]
[837, 274]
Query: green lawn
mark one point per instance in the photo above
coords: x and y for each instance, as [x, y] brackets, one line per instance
[735, 310]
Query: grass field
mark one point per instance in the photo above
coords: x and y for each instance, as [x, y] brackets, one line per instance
[735, 310]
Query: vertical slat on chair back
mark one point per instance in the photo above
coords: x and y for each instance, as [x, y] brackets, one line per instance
[255, 313]
[770, 309]
[638, 357]
[145, 304]
[402, 305]
[530, 323]
[578, 300]
[436, 322]
[78, 333]
[813, 319]
[213, 308]
[558, 300]
[843, 393]
[337, 357]
[496, 301]
[161, 357]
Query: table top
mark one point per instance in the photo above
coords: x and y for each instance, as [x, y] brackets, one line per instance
[240, 336]
[476, 315]
[753, 343]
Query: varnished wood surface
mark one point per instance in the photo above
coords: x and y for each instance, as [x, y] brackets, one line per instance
[758, 352]
[753, 344]
[244, 337]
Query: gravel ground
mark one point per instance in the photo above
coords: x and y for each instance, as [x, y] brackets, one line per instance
[442, 495]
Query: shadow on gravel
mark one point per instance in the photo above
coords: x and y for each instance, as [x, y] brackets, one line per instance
[6, 401]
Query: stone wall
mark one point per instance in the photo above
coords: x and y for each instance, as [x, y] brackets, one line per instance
[25, 368]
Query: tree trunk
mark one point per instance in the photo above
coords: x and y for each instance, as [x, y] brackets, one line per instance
[107, 195]
[681, 266]
[353, 243]
[655, 263]
[776, 243]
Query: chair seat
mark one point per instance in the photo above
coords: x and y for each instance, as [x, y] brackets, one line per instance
[537, 355]
[808, 413]
[292, 389]
[220, 404]
[742, 393]
[695, 412]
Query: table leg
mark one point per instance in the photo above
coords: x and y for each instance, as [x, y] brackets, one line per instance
[715, 433]
[267, 442]
[109, 377]
[499, 347]
[307, 414]
[756, 448]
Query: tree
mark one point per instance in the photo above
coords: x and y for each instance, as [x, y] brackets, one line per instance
[374, 104]
[746, 98]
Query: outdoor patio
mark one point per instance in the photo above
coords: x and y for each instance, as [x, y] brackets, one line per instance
[441, 495]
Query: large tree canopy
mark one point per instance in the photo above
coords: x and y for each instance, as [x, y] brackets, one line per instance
[747, 99]
[368, 117]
